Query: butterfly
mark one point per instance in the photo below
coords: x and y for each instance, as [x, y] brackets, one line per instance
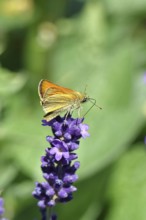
[57, 99]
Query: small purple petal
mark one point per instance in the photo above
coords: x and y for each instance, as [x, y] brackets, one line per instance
[66, 155]
[46, 176]
[58, 156]
[70, 178]
[54, 150]
[67, 136]
[60, 145]
[41, 204]
[45, 185]
[84, 131]
[44, 163]
[51, 203]
[50, 192]
[49, 139]
[58, 133]
[62, 193]
[73, 156]
[57, 126]
[73, 145]
[76, 164]
[47, 123]
[71, 189]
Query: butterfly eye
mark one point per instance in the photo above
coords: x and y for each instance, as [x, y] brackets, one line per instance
[85, 99]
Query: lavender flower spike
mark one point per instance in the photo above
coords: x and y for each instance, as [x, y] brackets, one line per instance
[57, 166]
[2, 210]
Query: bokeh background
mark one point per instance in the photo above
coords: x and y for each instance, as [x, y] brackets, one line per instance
[75, 43]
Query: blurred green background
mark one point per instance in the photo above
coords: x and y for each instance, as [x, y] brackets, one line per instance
[75, 43]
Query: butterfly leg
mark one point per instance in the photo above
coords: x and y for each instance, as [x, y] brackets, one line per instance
[79, 112]
[69, 112]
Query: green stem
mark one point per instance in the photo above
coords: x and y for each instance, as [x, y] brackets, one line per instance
[49, 213]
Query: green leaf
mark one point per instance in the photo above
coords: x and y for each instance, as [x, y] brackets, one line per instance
[8, 174]
[10, 82]
[127, 187]
[126, 7]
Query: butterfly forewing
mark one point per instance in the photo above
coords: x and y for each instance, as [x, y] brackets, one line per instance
[46, 86]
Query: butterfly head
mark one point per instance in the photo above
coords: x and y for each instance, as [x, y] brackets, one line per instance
[85, 99]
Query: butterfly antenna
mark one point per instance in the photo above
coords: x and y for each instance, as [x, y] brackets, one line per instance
[85, 89]
[93, 101]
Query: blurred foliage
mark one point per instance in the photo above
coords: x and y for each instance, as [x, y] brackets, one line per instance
[74, 43]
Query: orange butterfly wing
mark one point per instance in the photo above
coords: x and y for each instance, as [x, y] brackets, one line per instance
[47, 87]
